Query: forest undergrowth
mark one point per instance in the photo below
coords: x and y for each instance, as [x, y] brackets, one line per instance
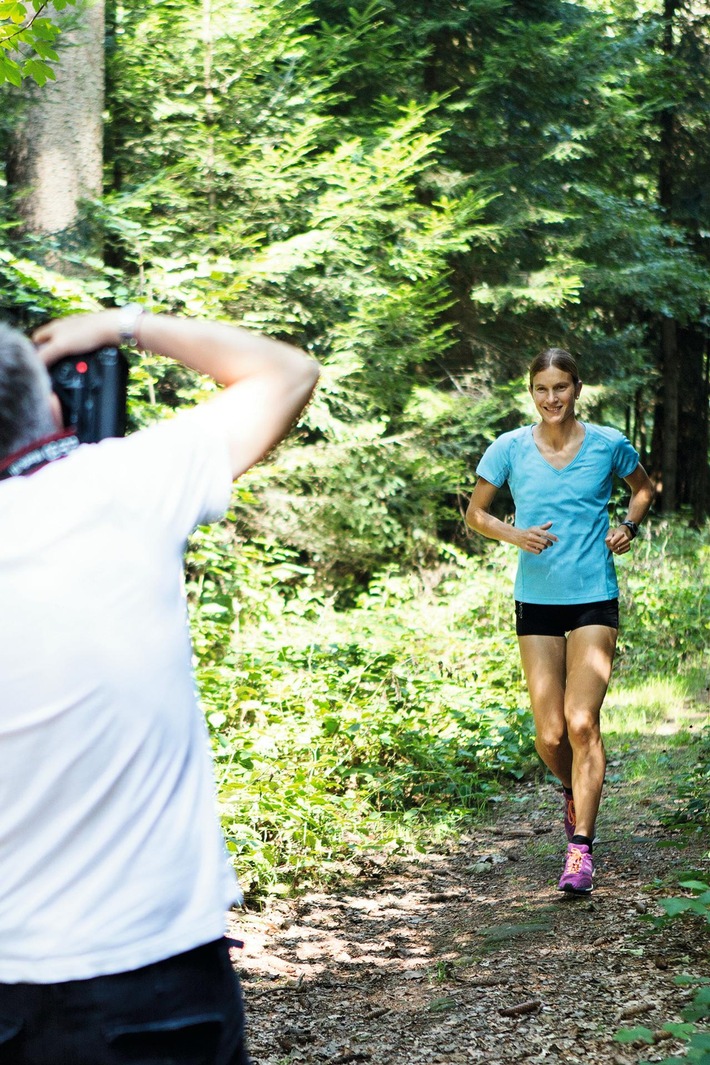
[467, 952]
[384, 727]
[397, 839]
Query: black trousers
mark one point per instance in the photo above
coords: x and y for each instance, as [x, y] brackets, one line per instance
[186, 1010]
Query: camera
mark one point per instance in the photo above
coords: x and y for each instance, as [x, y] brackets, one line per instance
[92, 391]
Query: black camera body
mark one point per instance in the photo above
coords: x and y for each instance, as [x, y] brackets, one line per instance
[92, 391]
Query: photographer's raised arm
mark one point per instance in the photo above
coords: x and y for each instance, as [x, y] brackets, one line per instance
[266, 382]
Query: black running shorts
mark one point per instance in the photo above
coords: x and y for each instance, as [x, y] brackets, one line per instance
[546, 619]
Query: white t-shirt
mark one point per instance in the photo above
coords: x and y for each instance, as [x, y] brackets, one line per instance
[111, 854]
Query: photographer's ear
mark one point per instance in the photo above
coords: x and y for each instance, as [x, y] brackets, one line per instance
[56, 409]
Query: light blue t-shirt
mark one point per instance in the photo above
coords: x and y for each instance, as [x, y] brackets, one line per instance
[579, 567]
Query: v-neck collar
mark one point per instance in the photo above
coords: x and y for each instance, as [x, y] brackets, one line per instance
[560, 469]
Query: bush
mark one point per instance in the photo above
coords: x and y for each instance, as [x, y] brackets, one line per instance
[665, 600]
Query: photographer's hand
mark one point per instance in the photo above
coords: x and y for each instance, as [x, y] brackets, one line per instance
[267, 382]
[77, 334]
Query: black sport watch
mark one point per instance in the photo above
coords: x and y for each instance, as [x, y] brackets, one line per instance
[631, 526]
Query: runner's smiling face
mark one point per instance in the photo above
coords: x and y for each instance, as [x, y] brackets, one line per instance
[554, 394]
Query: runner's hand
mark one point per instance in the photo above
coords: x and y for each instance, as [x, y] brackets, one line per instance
[537, 538]
[619, 540]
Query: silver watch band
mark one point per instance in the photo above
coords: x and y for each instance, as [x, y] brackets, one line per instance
[130, 317]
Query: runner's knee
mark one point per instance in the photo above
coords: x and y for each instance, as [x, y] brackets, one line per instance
[583, 729]
[550, 740]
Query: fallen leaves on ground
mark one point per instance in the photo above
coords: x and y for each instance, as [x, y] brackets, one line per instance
[472, 955]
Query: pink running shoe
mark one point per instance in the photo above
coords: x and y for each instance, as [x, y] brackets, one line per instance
[570, 816]
[578, 871]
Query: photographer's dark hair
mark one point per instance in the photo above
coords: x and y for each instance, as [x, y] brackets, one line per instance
[557, 357]
[25, 412]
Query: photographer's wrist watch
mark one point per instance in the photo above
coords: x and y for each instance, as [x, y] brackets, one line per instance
[128, 327]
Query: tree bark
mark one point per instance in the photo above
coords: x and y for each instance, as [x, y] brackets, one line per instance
[56, 157]
[671, 383]
[207, 71]
[669, 333]
[693, 482]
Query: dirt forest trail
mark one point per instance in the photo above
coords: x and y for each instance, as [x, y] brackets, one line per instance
[470, 954]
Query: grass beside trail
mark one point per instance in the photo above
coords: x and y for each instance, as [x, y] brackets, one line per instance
[658, 741]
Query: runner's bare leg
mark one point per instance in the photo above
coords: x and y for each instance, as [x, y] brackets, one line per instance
[544, 664]
[590, 655]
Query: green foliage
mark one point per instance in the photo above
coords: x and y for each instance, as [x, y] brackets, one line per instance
[371, 496]
[639, 1034]
[31, 293]
[493, 140]
[411, 192]
[692, 906]
[339, 731]
[698, 904]
[693, 789]
[690, 813]
[632, 256]
[693, 1030]
[27, 40]
[665, 600]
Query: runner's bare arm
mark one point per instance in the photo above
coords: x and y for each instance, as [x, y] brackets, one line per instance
[535, 539]
[618, 540]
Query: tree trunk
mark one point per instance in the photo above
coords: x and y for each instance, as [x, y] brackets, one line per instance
[207, 71]
[671, 382]
[693, 482]
[56, 157]
[701, 497]
[640, 441]
[669, 333]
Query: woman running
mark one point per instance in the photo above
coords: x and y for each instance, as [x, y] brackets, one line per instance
[560, 473]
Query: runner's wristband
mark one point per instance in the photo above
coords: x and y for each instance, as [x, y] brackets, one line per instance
[631, 526]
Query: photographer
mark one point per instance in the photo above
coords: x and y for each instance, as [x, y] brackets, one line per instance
[113, 874]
